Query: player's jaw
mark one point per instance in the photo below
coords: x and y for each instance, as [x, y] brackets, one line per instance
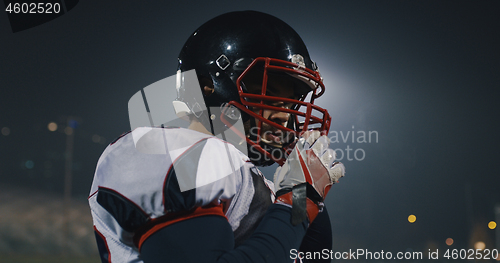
[272, 135]
[275, 137]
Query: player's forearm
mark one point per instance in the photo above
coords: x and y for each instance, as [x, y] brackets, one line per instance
[318, 237]
[210, 239]
[271, 241]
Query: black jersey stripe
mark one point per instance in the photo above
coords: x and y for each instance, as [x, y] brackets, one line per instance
[261, 201]
[186, 165]
[128, 215]
[102, 246]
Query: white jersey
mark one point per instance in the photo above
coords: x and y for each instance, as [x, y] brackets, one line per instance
[151, 176]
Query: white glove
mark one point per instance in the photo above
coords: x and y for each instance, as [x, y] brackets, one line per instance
[311, 161]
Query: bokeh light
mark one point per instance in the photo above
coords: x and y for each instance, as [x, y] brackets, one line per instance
[449, 241]
[96, 138]
[29, 164]
[73, 124]
[492, 225]
[68, 130]
[5, 131]
[412, 218]
[479, 245]
[52, 126]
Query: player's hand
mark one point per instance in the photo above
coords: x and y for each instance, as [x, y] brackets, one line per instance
[311, 161]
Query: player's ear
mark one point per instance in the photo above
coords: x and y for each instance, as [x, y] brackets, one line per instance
[207, 91]
[207, 86]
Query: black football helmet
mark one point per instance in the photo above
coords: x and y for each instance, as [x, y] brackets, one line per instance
[226, 48]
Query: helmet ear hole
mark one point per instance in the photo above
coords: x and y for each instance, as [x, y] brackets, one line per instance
[207, 91]
[207, 86]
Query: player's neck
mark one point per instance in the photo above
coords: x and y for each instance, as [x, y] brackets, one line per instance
[197, 126]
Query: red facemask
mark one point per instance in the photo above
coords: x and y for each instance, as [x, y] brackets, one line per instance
[305, 115]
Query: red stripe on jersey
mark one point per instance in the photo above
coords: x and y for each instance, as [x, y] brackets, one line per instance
[157, 224]
[93, 194]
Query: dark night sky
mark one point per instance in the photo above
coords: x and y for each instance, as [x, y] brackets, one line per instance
[424, 74]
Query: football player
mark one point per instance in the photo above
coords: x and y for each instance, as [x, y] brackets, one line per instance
[167, 194]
